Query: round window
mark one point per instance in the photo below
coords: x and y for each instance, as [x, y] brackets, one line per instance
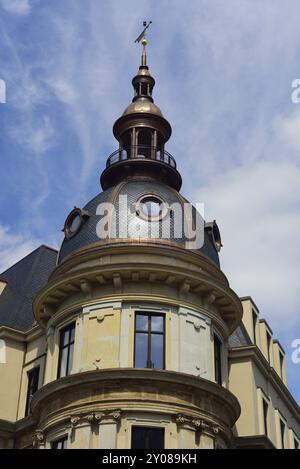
[150, 207]
[74, 222]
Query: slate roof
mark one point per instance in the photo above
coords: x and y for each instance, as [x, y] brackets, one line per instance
[240, 337]
[24, 280]
[134, 190]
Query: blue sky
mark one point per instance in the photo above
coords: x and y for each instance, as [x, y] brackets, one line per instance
[224, 72]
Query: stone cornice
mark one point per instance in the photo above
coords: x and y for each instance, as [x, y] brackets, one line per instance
[252, 352]
[115, 266]
[130, 378]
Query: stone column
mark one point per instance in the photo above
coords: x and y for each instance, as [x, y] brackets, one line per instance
[108, 429]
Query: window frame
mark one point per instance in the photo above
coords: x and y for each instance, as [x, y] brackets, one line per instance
[149, 333]
[35, 372]
[265, 408]
[63, 440]
[218, 359]
[64, 329]
[282, 426]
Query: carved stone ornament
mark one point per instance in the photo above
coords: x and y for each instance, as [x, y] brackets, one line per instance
[116, 414]
[197, 424]
[38, 438]
[94, 417]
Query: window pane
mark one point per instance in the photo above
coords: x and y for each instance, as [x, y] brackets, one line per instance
[65, 337]
[141, 342]
[141, 322]
[70, 362]
[157, 324]
[63, 363]
[72, 333]
[60, 444]
[157, 351]
[33, 383]
[147, 438]
[64, 444]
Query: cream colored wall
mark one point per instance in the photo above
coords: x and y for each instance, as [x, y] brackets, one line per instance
[248, 308]
[277, 350]
[10, 377]
[261, 337]
[250, 385]
[242, 385]
[35, 356]
[104, 338]
[266, 350]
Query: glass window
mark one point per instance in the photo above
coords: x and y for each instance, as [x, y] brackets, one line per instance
[33, 384]
[60, 444]
[147, 438]
[66, 348]
[218, 359]
[149, 340]
[151, 207]
[265, 412]
[282, 434]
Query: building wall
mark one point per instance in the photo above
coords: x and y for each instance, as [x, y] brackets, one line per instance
[104, 338]
[251, 384]
[10, 373]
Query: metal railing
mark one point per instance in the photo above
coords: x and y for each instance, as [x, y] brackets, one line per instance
[141, 152]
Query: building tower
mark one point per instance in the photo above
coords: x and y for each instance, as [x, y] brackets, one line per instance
[137, 340]
[137, 321]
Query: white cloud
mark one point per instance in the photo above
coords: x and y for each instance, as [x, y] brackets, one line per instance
[36, 136]
[257, 209]
[288, 129]
[18, 7]
[13, 247]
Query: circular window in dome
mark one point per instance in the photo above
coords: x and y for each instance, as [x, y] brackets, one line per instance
[151, 208]
[74, 222]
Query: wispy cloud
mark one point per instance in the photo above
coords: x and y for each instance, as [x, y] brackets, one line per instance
[18, 7]
[14, 247]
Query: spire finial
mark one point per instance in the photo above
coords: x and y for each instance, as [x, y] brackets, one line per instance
[142, 38]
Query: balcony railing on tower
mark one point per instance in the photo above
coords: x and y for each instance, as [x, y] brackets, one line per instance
[141, 152]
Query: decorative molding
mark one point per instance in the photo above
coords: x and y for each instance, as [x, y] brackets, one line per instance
[197, 424]
[209, 298]
[38, 438]
[101, 316]
[95, 417]
[117, 281]
[184, 288]
[86, 286]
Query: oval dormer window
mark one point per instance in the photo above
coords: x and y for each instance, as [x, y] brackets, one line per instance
[151, 208]
[74, 222]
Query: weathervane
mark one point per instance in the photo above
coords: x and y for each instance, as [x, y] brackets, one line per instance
[143, 33]
[142, 38]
